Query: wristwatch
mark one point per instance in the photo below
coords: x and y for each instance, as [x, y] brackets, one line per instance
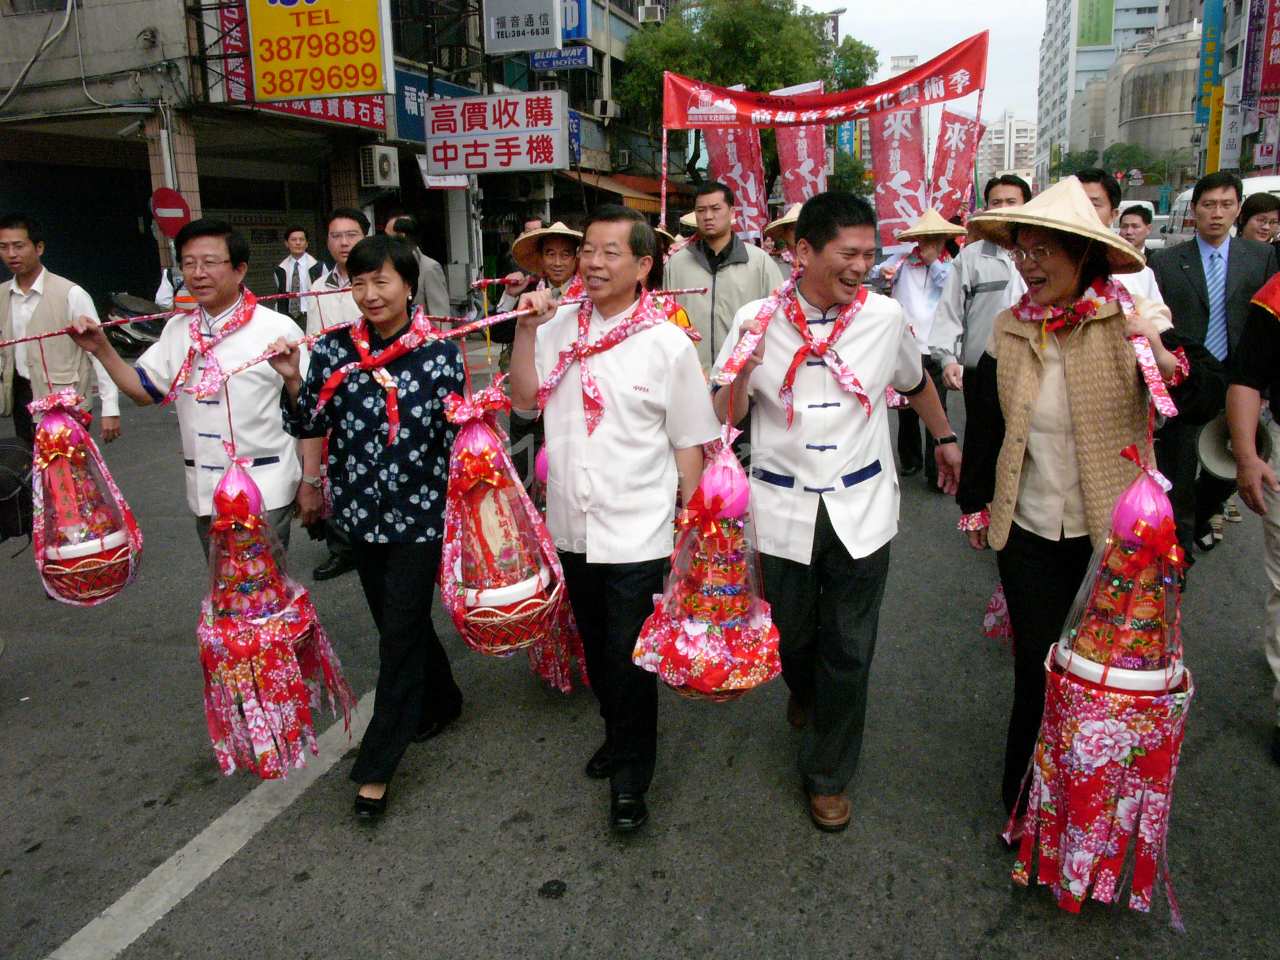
[939, 442]
[316, 482]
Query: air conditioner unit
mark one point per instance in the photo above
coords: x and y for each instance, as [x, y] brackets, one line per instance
[548, 85]
[604, 108]
[651, 13]
[623, 159]
[379, 166]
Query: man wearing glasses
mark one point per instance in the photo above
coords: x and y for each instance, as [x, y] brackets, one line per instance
[231, 329]
[347, 227]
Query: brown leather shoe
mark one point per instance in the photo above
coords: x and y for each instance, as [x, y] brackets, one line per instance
[797, 714]
[829, 813]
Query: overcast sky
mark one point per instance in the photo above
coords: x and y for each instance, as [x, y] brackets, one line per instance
[928, 27]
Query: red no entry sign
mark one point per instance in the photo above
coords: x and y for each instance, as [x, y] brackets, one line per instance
[170, 210]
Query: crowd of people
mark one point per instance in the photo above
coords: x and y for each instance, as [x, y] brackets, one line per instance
[1026, 310]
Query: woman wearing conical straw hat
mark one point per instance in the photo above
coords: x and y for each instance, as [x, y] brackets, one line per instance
[918, 277]
[1058, 394]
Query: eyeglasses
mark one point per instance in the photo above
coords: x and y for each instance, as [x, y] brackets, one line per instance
[207, 263]
[346, 235]
[1035, 254]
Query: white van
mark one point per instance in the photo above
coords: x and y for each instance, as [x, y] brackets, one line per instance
[1182, 225]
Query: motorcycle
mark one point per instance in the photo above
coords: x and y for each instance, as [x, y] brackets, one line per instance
[132, 339]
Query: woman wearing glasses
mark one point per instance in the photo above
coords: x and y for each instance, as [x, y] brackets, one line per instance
[1058, 395]
[1259, 218]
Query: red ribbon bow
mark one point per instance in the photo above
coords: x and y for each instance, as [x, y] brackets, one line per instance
[478, 406]
[478, 468]
[702, 514]
[233, 512]
[1155, 543]
[66, 400]
[51, 444]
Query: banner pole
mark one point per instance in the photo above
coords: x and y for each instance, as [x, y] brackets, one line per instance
[973, 181]
[662, 216]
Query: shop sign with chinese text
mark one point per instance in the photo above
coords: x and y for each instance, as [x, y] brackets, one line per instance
[322, 48]
[509, 133]
[518, 26]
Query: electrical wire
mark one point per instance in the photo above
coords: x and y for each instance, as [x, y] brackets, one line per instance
[84, 84]
[49, 41]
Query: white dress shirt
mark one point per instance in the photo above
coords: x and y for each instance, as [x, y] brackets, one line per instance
[918, 287]
[833, 452]
[304, 263]
[249, 403]
[324, 312]
[23, 305]
[1140, 284]
[612, 494]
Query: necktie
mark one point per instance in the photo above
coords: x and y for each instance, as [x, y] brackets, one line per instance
[1215, 338]
[295, 286]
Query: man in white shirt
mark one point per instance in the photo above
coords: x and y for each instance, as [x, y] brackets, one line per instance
[346, 227]
[824, 493]
[296, 273]
[1104, 192]
[246, 411]
[626, 411]
[37, 301]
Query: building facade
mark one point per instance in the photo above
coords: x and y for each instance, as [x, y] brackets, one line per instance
[1008, 144]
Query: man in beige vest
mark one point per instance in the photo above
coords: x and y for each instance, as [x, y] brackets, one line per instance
[38, 301]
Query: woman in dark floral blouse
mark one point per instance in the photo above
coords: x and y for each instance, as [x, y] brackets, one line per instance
[377, 390]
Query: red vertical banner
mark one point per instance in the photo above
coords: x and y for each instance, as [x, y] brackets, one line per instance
[734, 159]
[1269, 72]
[802, 152]
[953, 162]
[897, 158]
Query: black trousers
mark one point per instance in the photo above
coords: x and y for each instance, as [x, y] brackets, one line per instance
[611, 602]
[1041, 578]
[828, 615]
[909, 452]
[1196, 495]
[23, 426]
[415, 682]
[526, 436]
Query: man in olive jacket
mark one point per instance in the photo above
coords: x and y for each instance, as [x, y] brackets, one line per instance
[734, 273]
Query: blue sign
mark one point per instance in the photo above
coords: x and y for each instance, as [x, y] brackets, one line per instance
[577, 20]
[411, 100]
[846, 133]
[1210, 55]
[575, 136]
[570, 58]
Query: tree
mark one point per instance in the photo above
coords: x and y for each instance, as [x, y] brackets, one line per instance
[762, 44]
[849, 175]
[1073, 161]
[1126, 156]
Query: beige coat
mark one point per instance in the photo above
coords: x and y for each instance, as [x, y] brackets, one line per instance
[67, 364]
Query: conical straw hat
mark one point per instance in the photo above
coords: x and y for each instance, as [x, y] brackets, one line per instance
[525, 250]
[788, 219]
[1064, 207]
[690, 221]
[931, 224]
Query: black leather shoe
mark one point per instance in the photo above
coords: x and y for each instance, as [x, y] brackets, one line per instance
[434, 728]
[627, 812]
[370, 810]
[1275, 746]
[601, 764]
[335, 566]
[911, 469]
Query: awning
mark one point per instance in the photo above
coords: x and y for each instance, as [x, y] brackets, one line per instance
[652, 185]
[630, 198]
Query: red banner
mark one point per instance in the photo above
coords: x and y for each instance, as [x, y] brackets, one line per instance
[689, 103]
[734, 159]
[365, 111]
[897, 155]
[802, 153]
[953, 162]
[1269, 80]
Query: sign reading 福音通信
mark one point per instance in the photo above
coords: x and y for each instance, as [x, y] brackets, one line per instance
[320, 48]
[509, 133]
[518, 26]
[570, 58]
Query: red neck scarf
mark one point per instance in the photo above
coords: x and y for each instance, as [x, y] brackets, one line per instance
[645, 315]
[419, 332]
[242, 314]
[1102, 291]
[915, 260]
[823, 350]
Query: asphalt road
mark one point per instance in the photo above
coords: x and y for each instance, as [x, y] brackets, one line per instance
[495, 845]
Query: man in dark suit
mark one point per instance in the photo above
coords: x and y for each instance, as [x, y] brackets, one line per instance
[1207, 283]
[296, 273]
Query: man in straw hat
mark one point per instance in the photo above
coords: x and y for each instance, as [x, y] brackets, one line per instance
[824, 491]
[733, 272]
[1056, 397]
[782, 233]
[918, 278]
[982, 282]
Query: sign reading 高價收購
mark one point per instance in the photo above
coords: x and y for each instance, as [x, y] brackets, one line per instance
[323, 48]
[509, 133]
[518, 26]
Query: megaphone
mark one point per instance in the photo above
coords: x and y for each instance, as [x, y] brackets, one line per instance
[1214, 447]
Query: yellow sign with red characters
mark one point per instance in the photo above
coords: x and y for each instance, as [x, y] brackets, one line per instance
[320, 48]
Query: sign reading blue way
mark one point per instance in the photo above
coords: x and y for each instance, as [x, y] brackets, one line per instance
[570, 58]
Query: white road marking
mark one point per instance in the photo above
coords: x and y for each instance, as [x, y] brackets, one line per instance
[133, 914]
